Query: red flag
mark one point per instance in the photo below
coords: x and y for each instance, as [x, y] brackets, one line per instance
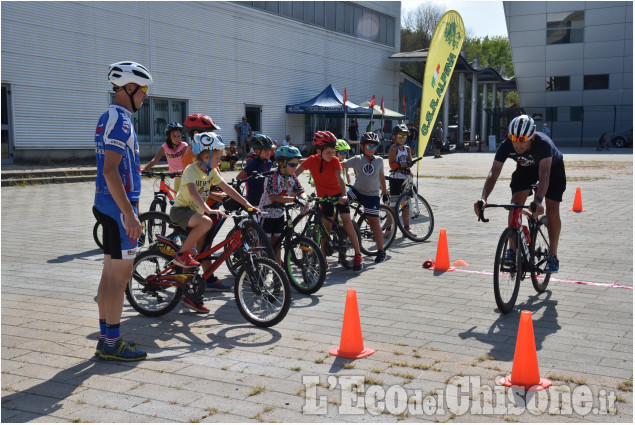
[404, 105]
[383, 111]
[345, 97]
[372, 102]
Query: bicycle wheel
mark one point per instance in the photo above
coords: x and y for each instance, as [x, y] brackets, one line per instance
[387, 222]
[147, 298]
[154, 223]
[98, 235]
[255, 237]
[304, 263]
[263, 293]
[421, 221]
[343, 245]
[539, 251]
[507, 275]
[158, 205]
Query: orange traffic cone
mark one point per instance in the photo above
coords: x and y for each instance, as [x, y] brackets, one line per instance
[577, 202]
[351, 343]
[442, 263]
[525, 372]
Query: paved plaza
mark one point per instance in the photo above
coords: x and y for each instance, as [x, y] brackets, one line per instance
[440, 343]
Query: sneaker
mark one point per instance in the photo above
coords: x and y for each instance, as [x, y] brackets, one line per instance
[381, 257]
[344, 262]
[214, 284]
[357, 263]
[185, 260]
[510, 256]
[197, 307]
[100, 344]
[553, 265]
[122, 351]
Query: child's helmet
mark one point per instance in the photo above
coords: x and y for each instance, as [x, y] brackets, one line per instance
[370, 137]
[126, 72]
[288, 152]
[199, 122]
[173, 126]
[324, 139]
[207, 142]
[342, 145]
[399, 129]
[260, 141]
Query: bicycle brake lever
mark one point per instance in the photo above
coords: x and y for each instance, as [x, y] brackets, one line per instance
[481, 213]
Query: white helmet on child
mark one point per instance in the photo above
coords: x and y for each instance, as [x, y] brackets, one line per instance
[209, 141]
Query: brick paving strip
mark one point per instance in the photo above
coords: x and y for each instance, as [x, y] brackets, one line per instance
[431, 331]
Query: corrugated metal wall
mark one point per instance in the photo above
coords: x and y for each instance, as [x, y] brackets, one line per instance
[219, 56]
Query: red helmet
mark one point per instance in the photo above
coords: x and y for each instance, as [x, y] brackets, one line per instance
[324, 139]
[200, 123]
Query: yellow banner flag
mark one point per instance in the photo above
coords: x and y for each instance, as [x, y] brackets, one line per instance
[442, 56]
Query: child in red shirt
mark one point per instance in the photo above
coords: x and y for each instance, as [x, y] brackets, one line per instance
[326, 170]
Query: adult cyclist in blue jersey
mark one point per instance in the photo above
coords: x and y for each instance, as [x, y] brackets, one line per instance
[118, 187]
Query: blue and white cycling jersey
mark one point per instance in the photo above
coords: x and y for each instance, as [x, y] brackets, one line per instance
[116, 132]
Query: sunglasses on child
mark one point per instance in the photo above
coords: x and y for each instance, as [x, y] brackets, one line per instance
[292, 164]
[373, 147]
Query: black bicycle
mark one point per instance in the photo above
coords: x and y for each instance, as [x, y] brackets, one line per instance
[387, 222]
[414, 215]
[531, 251]
[335, 241]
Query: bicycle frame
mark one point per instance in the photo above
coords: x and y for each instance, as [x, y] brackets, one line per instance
[517, 214]
[165, 189]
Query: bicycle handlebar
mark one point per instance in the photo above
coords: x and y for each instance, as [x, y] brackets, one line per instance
[254, 176]
[161, 174]
[481, 215]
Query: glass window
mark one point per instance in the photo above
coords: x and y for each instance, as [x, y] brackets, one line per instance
[272, 6]
[286, 8]
[565, 27]
[5, 105]
[558, 83]
[260, 4]
[596, 82]
[577, 113]
[253, 117]
[319, 13]
[349, 28]
[330, 15]
[552, 114]
[382, 29]
[141, 122]
[309, 12]
[298, 10]
[390, 31]
[375, 27]
[178, 112]
[161, 118]
[340, 17]
[357, 21]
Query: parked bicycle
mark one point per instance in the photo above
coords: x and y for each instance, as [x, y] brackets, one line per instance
[335, 241]
[531, 249]
[414, 215]
[262, 289]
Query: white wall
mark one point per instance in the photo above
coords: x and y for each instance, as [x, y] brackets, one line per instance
[217, 55]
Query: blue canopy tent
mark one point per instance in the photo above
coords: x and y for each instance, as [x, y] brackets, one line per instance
[330, 102]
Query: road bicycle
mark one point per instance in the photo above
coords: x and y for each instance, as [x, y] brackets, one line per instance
[335, 241]
[262, 290]
[302, 257]
[412, 207]
[532, 250]
[151, 223]
[387, 220]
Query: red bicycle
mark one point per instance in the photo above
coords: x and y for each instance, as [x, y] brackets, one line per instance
[262, 290]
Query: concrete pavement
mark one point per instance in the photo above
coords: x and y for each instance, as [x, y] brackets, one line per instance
[431, 331]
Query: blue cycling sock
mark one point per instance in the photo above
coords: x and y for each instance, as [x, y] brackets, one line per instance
[112, 335]
[102, 329]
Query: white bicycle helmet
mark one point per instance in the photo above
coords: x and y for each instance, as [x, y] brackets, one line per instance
[126, 72]
[209, 141]
[522, 126]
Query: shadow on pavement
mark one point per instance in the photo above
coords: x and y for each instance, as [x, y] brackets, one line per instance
[502, 333]
[70, 257]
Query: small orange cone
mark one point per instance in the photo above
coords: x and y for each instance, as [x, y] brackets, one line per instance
[442, 263]
[525, 372]
[460, 263]
[577, 202]
[351, 343]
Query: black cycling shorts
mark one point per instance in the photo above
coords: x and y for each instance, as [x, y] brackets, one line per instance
[273, 226]
[524, 177]
[328, 208]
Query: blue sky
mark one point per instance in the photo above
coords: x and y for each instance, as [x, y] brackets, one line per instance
[480, 18]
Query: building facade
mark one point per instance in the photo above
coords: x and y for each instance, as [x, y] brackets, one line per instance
[573, 62]
[223, 59]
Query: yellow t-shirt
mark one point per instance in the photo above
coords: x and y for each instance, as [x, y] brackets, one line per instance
[193, 174]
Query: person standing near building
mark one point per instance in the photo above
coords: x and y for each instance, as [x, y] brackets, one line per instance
[118, 186]
[545, 130]
[244, 134]
[286, 141]
[412, 138]
[437, 136]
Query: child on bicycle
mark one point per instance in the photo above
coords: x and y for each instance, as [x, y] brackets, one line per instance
[283, 187]
[398, 158]
[260, 162]
[342, 149]
[174, 148]
[369, 179]
[190, 209]
[326, 170]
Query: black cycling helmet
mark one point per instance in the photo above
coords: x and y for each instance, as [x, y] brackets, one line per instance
[370, 137]
[260, 141]
[173, 126]
[399, 129]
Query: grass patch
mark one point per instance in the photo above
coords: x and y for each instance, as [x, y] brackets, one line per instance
[376, 370]
[256, 390]
[211, 410]
[373, 381]
[403, 375]
[566, 379]
[401, 344]
[296, 368]
[398, 353]
[348, 366]
[431, 348]
[319, 361]
[626, 386]
[299, 338]
[400, 364]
